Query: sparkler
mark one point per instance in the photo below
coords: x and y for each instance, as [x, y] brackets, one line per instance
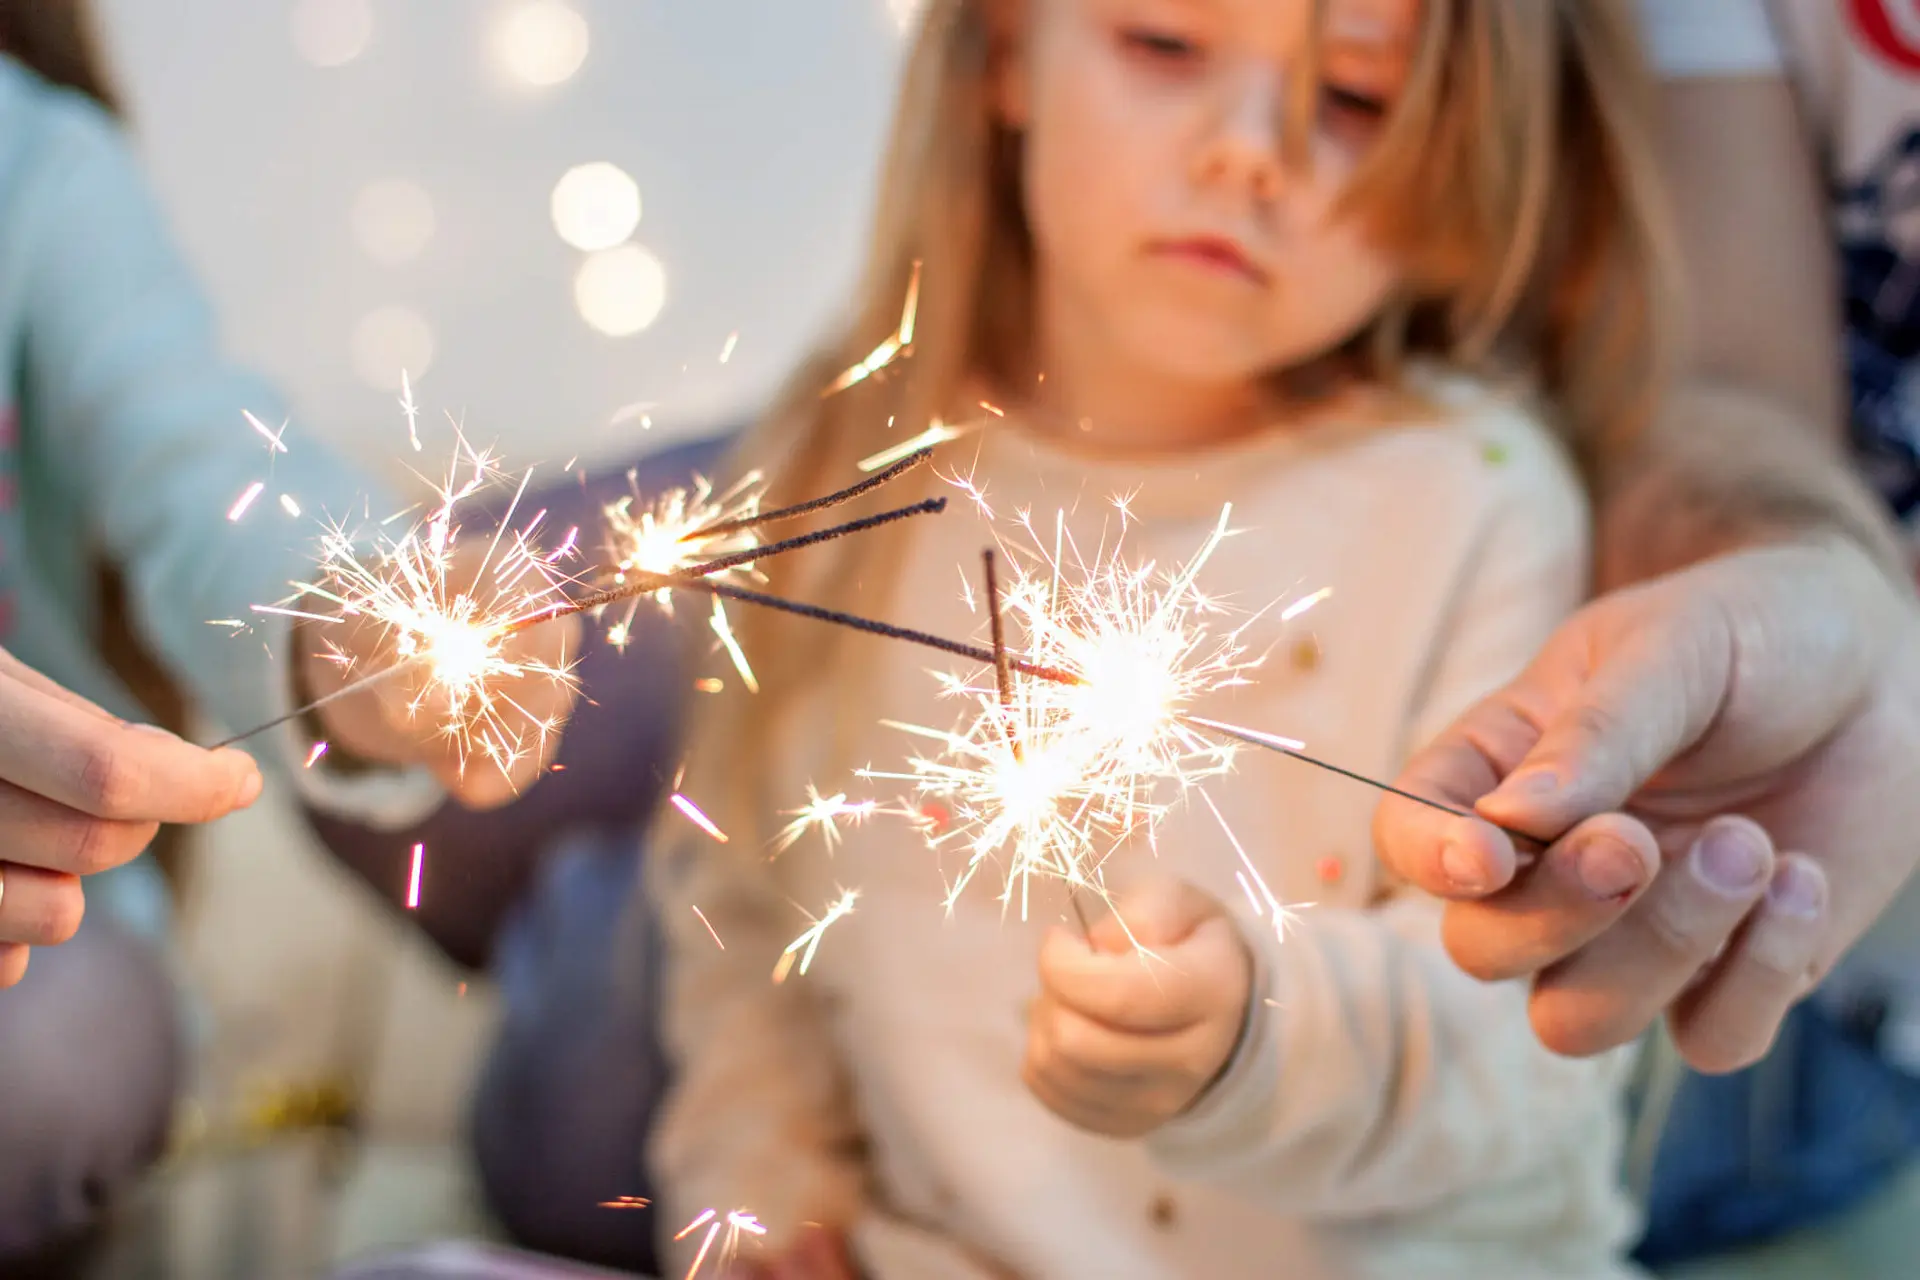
[803, 948]
[442, 621]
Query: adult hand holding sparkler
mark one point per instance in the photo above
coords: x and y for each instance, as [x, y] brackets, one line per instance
[81, 792]
[1137, 1020]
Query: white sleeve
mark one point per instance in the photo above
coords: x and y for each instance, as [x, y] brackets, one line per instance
[1689, 39]
[1375, 1076]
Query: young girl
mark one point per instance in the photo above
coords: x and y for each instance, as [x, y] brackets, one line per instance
[122, 449]
[1304, 258]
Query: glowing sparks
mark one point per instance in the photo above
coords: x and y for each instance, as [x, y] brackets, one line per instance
[723, 630]
[678, 530]
[710, 929]
[937, 434]
[445, 613]
[275, 439]
[413, 877]
[313, 755]
[1047, 777]
[898, 343]
[618, 1202]
[245, 501]
[696, 817]
[728, 1232]
[803, 948]
[412, 410]
[288, 505]
[824, 813]
[1303, 604]
[726, 352]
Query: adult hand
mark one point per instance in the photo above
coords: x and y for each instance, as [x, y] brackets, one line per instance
[1779, 684]
[81, 792]
[402, 722]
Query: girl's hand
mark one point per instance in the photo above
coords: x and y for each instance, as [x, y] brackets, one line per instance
[384, 724]
[819, 1254]
[1121, 1041]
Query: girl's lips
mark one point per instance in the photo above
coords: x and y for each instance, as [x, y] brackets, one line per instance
[1213, 253]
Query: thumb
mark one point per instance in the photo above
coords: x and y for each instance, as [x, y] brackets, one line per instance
[1605, 734]
[1155, 913]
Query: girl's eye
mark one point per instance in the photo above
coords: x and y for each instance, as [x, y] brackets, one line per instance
[1160, 46]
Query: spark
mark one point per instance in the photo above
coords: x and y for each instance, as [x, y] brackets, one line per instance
[726, 352]
[710, 929]
[709, 684]
[1259, 896]
[620, 1202]
[313, 756]
[276, 442]
[1303, 604]
[696, 817]
[443, 616]
[679, 530]
[413, 877]
[803, 948]
[724, 631]
[288, 505]
[245, 500]
[937, 434]
[727, 1230]
[824, 812]
[896, 344]
[412, 410]
[993, 409]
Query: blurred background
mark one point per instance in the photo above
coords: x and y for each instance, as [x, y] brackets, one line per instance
[556, 215]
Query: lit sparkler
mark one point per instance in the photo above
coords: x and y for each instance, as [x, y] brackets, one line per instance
[444, 617]
[897, 344]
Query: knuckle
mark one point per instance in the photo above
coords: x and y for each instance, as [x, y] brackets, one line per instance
[1591, 720]
[108, 786]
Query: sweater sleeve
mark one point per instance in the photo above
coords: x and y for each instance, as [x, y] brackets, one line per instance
[759, 1116]
[141, 418]
[1374, 1076]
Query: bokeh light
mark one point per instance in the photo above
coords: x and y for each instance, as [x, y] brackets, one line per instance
[539, 43]
[393, 221]
[596, 206]
[620, 291]
[390, 342]
[332, 33]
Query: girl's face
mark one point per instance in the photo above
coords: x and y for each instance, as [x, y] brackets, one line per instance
[1169, 230]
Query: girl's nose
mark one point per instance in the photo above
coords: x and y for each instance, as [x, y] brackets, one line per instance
[1245, 134]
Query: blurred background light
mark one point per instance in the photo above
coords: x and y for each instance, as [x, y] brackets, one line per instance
[539, 43]
[332, 33]
[596, 206]
[621, 291]
[393, 221]
[389, 342]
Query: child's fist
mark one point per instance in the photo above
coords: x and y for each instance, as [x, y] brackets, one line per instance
[818, 1255]
[1122, 1041]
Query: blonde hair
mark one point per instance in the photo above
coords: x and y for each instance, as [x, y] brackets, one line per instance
[1514, 177]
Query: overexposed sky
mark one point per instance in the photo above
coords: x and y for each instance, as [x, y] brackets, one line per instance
[370, 183]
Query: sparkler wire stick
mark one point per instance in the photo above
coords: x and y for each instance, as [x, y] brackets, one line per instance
[845, 495]
[346, 690]
[693, 578]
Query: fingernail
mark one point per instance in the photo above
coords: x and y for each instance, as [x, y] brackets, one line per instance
[1608, 869]
[1730, 860]
[250, 787]
[1797, 890]
[1463, 870]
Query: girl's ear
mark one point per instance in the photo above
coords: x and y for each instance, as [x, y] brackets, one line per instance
[1007, 26]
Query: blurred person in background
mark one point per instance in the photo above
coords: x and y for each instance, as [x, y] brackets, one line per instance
[122, 448]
